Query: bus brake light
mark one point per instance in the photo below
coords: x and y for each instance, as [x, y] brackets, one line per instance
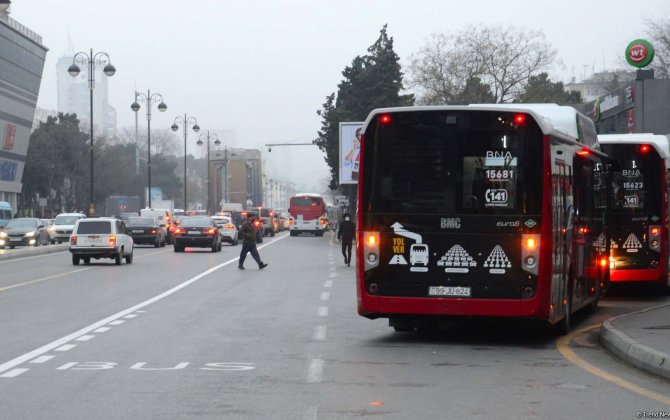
[530, 243]
[372, 240]
[654, 231]
[604, 261]
[385, 119]
[584, 152]
[519, 119]
[644, 148]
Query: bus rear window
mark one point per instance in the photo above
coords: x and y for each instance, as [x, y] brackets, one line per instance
[455, 162]
[305, 201]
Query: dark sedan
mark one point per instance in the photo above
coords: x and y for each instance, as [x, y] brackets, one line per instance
[24, 231]
[197, 232]
[145, 230]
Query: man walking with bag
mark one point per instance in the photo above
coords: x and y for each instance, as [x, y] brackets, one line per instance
[248, 234]
[346, 232]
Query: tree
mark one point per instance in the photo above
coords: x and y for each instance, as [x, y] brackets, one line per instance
[57, 165]
[501, 58]
[372, 81]
[540, 89]
[659, 35]
[474, 92]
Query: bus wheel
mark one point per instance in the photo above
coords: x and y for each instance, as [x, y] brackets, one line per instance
[563, 326]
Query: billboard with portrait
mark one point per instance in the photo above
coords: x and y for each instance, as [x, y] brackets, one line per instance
[349, 151]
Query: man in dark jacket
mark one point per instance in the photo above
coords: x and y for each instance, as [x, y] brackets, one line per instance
[248, 234]
[346, 232]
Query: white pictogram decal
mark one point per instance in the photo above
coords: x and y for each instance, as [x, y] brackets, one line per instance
[497, 261]
[398, 259]
[613, 244]
[600, 243]
[418, 252]
[632, 244]
[456, 260]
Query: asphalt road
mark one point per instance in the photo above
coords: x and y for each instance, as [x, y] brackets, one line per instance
[188, 335]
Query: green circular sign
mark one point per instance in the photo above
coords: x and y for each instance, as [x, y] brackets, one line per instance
[639, 53]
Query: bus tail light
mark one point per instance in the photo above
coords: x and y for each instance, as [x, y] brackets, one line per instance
[370, 250]
[655, 238]
[530, 253]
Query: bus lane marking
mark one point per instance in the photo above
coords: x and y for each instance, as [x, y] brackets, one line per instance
[563, 345]
[6, 368]
[315, 370]
[328, 284]
[323, 311]
[320, 333]
[325, 296]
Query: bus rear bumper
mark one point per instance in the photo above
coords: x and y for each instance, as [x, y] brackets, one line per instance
[386, 306]
[642, 275]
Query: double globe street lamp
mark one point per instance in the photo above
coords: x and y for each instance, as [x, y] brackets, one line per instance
[92, 60]
[200, 143]
[185, 122]
[148, 99]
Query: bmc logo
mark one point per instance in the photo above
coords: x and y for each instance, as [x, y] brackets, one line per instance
[450, 223]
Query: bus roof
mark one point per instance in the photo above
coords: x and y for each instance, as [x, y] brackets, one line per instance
[557, 120]
[307, 195]
[658, 141]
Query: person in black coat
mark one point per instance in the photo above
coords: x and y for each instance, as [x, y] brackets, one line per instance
[346, 233]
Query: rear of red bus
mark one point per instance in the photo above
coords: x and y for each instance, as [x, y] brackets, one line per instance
[307, 215]
[638, 214]
[450, 215]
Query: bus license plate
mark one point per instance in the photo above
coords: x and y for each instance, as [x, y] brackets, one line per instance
[448, 291]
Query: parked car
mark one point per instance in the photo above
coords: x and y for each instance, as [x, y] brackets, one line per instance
[197, 232]
[24, 231]
[63, 225]
[227, 229]
[100, 237]
[146, 230]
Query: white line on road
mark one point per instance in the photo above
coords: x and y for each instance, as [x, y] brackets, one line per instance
[325, 296]
[315, 371]
[14, 373]
[85, 338]
[66, 347]
[117, 322]
[43, 359]
[31, 257]
[328, 284]
[320, 333]
[4, 367]
[102, 330]
[323, 311]
[331, 275]
[131, 316]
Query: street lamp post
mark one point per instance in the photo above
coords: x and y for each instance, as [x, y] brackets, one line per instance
[216, 142]
[92, 60]
[148, 99]
[185, 122]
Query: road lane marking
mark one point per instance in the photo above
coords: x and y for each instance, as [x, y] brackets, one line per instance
[323, 311]
[563, 345]
[325, 296]
[117, 322]
[315, 370]
[331, 275]
[85, 338]
[25, 283]
[102, 330]
[320, 333]
[14, 373]
[131, 316]
[328, 284]
[66, 347]
[31, 257]
[43, 359]
[4, 367]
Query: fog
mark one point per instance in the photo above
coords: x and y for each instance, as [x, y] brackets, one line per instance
[263, 68]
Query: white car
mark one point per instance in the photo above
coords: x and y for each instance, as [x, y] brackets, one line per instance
[227, 229]
[61, 229]
[100, 237]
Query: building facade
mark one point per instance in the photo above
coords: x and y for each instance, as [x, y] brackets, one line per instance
[236, 177]
[22, 56]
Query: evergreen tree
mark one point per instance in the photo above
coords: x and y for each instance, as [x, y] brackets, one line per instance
[540, 89]
[374, 80]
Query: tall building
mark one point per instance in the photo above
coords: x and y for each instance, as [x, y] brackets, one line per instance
[22, 57]
[74, 98]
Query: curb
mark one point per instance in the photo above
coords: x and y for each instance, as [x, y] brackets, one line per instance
[633, 352]
[33, 251]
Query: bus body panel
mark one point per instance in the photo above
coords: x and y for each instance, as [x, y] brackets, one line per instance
[307, 214]
[482, 253]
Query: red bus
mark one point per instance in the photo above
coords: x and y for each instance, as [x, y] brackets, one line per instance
[638, 218]
[307, 214]
[480, 210]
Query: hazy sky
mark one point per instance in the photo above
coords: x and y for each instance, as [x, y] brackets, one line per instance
[263, 68]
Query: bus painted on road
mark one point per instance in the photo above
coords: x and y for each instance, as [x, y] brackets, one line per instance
[307, 214]
[480, 210]
[638, 218]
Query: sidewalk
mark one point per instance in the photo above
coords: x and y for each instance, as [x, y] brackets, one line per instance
[641, 338]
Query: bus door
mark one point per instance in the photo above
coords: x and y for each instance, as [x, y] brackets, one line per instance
[563, 232]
